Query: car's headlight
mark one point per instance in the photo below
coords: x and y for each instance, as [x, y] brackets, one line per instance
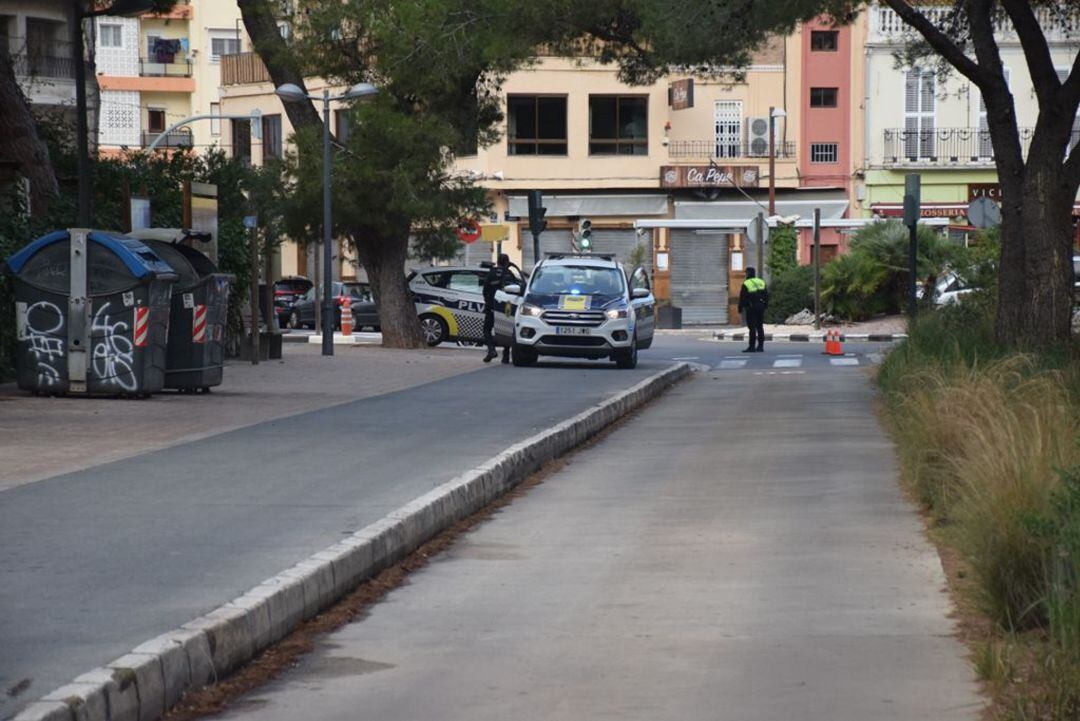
[615, 313]
[533, 310]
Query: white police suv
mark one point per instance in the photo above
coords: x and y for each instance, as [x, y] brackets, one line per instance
[578, 306]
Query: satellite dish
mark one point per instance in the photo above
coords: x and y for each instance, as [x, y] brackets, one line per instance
[983, 213]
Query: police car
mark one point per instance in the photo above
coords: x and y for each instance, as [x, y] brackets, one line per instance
[450, 302]
[578, 306]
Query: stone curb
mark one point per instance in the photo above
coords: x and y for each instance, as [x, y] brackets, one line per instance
[143, 684]
[816, 337]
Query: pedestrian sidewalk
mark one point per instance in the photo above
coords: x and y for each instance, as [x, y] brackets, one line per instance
[43, 437]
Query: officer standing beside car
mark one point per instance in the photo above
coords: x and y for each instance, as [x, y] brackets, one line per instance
[497, 276]
[753, 300]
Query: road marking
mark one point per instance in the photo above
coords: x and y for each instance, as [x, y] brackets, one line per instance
[787, 362]
[733, 364]
[779, 373]
[688, 357]
[789, 355]
[844, 361]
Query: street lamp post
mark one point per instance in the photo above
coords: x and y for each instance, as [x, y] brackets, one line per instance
[289, 91]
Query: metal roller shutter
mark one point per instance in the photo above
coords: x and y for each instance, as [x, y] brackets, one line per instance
[699, 276]
[551, 241]
[621, 243]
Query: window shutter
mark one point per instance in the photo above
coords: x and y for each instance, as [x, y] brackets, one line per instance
[911, 95]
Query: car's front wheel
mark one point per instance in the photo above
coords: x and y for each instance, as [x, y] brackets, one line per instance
[434, 329]
[628, 358]
[523, 356]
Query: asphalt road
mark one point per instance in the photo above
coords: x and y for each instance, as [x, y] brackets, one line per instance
[739, 550]
[98, 561]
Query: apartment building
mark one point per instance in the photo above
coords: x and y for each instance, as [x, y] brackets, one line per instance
[36, 36]
[915, 122]
[157, 69]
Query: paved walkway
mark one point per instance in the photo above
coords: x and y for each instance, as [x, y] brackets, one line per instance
[739, 551]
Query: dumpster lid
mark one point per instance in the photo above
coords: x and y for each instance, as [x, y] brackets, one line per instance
[171, 235]
[139, 260]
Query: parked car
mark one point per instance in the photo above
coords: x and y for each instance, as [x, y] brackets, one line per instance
[578, 306]
[365, 315]
[450, 302]
[286, 292]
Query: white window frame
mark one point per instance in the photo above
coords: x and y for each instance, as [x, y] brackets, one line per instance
[824, 153]
[215, 123]
[1074, 139]
[728, 128]
[986, 145]
[106, 29]
[921, 119]
[227, 34]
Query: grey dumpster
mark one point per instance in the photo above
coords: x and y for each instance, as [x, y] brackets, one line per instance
[199, 313]
[91, 314]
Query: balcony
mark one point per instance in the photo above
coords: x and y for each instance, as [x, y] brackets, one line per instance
[943, 147]
[151, 68]
[243, 69]
[698, 149]
[176, 139]
[52, 59]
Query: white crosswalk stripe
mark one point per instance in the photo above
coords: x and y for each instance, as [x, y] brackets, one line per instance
[845, 361]
[788, 362]
[733, 364]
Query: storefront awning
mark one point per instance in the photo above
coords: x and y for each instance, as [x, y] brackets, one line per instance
[590, 206]
[745, 210]
[933, 210]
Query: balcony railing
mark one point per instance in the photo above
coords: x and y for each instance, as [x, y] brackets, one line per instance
[689, 149]
[151, 68]
[944, 146]
[175, 139]
[243, 69]
[886, 25]
[49, 59]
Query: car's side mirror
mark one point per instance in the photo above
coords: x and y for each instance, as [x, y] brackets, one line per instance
[640, 293]
[512, 289]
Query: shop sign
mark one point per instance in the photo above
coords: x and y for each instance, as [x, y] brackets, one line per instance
[708, 176]
[681, 94]
[984, 190]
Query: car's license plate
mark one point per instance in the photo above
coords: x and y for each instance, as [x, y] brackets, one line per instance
[570, 330]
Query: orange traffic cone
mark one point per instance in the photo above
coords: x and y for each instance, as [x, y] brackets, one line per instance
[833, 345]
[346, 316]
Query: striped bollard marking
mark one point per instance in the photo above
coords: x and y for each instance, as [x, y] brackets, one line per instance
[142, 327]
[198, 324]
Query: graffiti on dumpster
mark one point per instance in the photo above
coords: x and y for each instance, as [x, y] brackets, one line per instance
[46, 345]
[112, 352]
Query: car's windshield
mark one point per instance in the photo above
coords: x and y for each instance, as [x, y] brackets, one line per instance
[576, 280]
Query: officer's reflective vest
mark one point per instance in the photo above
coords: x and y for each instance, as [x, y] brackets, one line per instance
[754, 285]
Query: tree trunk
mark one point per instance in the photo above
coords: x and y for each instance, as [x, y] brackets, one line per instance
[384, 261]
[1036, 244]
[280, 61]
[19, 141]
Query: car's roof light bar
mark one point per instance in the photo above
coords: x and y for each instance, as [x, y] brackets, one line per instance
[559, 256]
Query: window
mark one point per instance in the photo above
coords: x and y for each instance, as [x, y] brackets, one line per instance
[1074, 137]
[155, 120]
[110, 35]
[465, 282]
[986, 145]
[241, 140]
[919, 89]
[215, 123]
[341, 126]
[151, 40]
[824, 153]
[618, 125]
[439, 280]
[271, 132]
[823, 97]
[824, 40]
[728, 121]
[536, 124]
[223, 42]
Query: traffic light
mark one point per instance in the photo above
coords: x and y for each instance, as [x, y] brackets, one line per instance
[585, 234]
[537, 211]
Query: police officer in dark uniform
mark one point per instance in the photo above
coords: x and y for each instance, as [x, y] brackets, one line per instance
[497, 276]
[753, 300]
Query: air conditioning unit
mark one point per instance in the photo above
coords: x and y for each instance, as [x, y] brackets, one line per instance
[757, 137]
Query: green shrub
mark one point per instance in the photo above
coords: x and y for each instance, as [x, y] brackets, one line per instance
[783, 247]
[789, 293]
